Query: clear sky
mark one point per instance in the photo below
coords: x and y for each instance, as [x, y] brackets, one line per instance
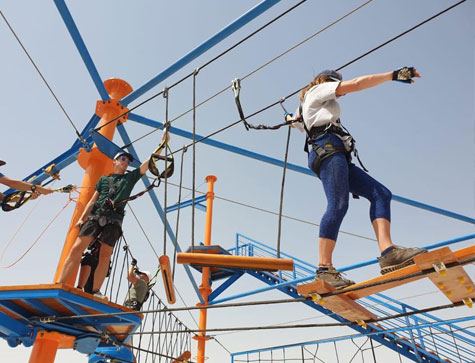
[416, 139]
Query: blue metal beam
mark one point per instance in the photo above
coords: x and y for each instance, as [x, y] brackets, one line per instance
[280, 163]
[221, 288]
[202, 48]
[158, 207]
[12, 327]
[81, 46]
[186, 203]
[343, 269]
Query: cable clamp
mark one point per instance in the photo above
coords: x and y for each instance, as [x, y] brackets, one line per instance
[236, 83]
[362, 324]
[165, 92]
[317, 298]
[468, 301]
[440, 268]
[196, 71]
[48, 319]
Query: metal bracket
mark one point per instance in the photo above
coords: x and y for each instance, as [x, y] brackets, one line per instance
[440, 268]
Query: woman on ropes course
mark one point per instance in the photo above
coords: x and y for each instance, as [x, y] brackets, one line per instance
[329, 145]
[104, 214]
[21, 185]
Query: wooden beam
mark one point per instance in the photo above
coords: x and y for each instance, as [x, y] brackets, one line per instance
[454, 282]
[237, 262]
[462, 254]
[340, 304]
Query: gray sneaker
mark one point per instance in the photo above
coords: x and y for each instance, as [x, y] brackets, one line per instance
[333, 277]
[99, 294]
[398, 258]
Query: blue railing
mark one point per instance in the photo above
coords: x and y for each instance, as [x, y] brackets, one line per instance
[423, 331]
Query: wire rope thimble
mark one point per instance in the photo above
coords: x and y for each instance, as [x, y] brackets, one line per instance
[362, 324]
[236, 84]
[440, 268]
[317, 298]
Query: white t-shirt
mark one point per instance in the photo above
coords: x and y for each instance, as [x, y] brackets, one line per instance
[319, 108]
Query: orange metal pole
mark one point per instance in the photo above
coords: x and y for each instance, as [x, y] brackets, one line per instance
[45, 347]
[96, 165]
[205, 289]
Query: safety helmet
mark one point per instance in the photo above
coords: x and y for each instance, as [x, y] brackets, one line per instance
[120, 153]
[147, 273]
[334, 75]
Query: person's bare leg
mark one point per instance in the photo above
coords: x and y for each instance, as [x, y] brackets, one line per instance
[382, 229]
[84, 273]
[325, 251]
[102, 266]
[74, 258]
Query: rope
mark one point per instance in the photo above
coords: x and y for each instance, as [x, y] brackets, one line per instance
[143, 231]
[257, 69]
[195, 73]
[297, 91]
[35, 242]
[280, 301]
[44, 80]
[322, 325]
[282, 189]
[276, 214]
[208, 62]
[178, 212]
[165, 95]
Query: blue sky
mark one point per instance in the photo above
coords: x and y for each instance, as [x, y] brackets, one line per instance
[418, 140]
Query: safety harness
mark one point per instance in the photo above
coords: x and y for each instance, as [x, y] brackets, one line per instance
[17, 199]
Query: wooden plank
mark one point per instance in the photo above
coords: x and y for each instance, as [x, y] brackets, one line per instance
[339, 304]
[454, 282]
[462, 254]
[238, 262]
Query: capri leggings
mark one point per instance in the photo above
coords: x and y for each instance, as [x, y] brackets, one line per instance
[339, 180]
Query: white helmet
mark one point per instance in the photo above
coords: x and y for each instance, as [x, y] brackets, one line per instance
[147, 273]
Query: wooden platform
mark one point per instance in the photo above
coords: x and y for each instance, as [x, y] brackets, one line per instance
[462, 254]
[339, 304]
[23, 307]
[454, 282]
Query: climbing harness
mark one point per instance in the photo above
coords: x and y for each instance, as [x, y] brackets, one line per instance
[236, 86]
[17, 199]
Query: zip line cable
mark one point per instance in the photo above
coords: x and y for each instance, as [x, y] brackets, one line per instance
[178, 212]
[209, 62]
[297, 91]
[225, 89]
[80, 138]
[48, 319]
[165, 191]
[195, 73]
[274, 213]
[321, 325]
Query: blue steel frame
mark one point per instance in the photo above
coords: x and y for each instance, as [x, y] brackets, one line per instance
[70, 156]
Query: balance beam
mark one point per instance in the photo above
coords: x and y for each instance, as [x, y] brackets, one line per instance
[235, 262]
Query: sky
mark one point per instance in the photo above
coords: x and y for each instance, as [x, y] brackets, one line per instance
[416, 139]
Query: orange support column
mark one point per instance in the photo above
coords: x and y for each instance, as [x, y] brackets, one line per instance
[94, 162]
[45, 347]
[205, 289]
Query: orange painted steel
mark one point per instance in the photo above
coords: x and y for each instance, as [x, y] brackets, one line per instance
[94, 162]
[45, 347]
[96, 165]
[167, 278]
[205, 289]
[238, 262]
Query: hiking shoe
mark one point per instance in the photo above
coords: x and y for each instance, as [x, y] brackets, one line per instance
[398, 258]
[99, 294]
[332, 277]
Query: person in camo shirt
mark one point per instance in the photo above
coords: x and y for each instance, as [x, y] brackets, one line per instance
[138, 292]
